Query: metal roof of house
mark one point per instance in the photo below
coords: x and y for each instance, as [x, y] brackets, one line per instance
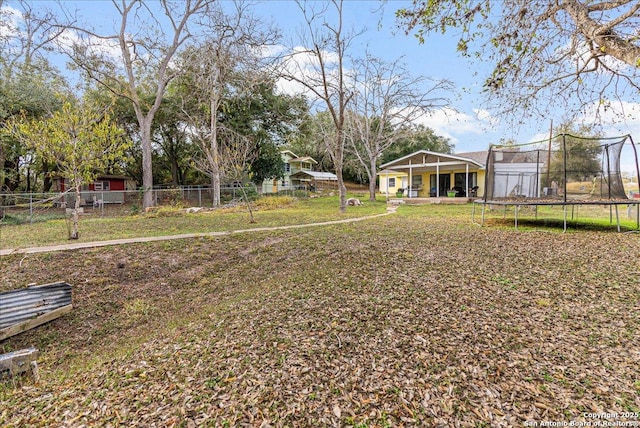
[304, 159]
[316, 175]
[391, 171]
[479, 156]
[427, 158]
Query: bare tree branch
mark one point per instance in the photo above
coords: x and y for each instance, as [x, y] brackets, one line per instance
[571, 54]
[144, 46]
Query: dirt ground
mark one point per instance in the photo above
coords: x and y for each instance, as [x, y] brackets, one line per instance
[406, 320]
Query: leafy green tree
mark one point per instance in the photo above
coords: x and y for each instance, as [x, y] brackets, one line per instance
[80, 140]
[173, 151]
[148, 49]
[577, 153]
[269, 119]
[31, 92]
[308, 141]
[29, 86]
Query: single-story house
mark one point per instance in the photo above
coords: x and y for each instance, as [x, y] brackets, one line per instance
[105, 189]
[424, 174]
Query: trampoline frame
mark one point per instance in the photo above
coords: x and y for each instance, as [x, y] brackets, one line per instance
[542, 202]
[564, 201]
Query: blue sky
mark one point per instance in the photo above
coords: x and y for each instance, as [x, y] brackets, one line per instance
[466, 123]
[469, 127]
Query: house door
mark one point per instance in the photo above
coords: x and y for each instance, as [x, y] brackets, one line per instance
[445, 184]
[405, 182]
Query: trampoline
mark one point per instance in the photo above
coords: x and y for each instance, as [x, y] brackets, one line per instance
[565, 171]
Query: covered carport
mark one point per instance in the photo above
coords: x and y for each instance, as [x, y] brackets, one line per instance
[315, 180]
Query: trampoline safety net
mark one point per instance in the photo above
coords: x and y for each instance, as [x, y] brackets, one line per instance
[565, 168]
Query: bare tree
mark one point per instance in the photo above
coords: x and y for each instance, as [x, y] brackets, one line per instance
[386, 99]
[570, 53]
[232, 58]
[320, 68]
[236, 154]
[148, 38]
[24, 39]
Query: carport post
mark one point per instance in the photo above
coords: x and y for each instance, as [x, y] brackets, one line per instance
[438, 178]
[410, 179]
[466, 192]
[387, 184]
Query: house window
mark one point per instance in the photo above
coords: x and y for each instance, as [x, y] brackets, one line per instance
[284, 183]
[392, 182]
[101, 185]
[287, 168]
[416, 181]
[460, 179]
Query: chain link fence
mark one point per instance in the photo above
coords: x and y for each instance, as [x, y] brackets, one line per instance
[20, 208]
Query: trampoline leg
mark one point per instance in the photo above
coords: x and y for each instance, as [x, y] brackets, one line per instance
[473, 213]
[515, 212]
[610, 215]
[565, 220]
[482, 222]
[618, 219]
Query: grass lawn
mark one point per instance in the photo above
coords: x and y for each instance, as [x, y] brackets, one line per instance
[171, 221]
[579, 217]
[419, 318]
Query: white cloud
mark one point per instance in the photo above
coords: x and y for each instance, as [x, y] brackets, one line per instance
[622, 118]
[615, 117]
[10, 19]
[454, 125]
[109, 48]
[269, 51]
[302, 64]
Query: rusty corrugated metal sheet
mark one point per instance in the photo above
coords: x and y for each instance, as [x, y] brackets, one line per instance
[17, 306]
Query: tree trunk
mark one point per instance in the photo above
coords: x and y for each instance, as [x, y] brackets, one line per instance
[371, 172]
[74, 216]
[339, 163]
[342, 190]
[215, 161]
[28, 174]
[175, 178]
[11, 174]
[147, 171]
[46, 180]
[246, 199]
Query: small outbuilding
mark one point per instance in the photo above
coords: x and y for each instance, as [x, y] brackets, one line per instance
[315, 180]
[108, 189]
